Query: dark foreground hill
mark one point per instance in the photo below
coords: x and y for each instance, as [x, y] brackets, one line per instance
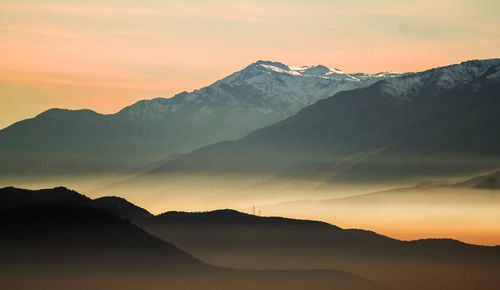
[67, 246]
[235, 239]
[91, 247]
[77, 235]
[11, 197]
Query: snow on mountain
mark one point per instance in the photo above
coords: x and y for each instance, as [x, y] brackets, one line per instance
[440, 121]
[445, 78]
[260, 95]
[271, 89]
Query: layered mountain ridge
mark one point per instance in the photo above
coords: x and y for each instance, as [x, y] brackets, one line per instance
[84, 141]
[437, 120]
[64, 241]
[51, 240]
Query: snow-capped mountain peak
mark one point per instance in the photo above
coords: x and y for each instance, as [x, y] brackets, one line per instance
[309, 70]
[271, 90]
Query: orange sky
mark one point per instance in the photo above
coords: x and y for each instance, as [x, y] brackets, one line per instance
[105, 55]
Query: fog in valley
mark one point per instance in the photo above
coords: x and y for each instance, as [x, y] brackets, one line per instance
[442, 208]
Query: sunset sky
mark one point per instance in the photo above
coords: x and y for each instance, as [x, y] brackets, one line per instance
[105, 55]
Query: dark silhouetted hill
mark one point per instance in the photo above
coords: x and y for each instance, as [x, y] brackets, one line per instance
[235, 239]
[121, 206]
[62, 243]
[11, 197]
[58, 245]
[75, 235]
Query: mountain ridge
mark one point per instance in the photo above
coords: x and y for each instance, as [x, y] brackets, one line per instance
[12, 197]
[83, 141]
[234, 239]
[409, 118]
[237, 240]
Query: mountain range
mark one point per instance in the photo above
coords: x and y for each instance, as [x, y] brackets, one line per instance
[57, 237]
[83, 141]
[235, 239]
[316, 123]
[439, 122]
[467, 210]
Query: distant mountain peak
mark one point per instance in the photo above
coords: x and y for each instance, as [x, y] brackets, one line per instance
[58, 113]
[308, 70]
[257, 96]
[321, 70]
[272, 64]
